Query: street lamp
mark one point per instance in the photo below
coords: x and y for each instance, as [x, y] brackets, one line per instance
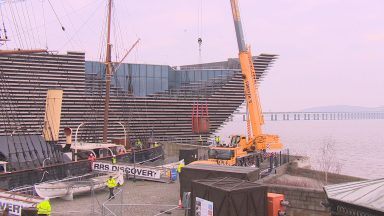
[125, 134]
[77, 130]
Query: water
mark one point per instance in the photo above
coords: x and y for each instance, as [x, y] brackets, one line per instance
[358, 144]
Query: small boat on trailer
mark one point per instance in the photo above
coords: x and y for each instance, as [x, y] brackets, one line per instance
[68, 187]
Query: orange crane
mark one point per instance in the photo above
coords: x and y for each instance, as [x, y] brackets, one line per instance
[241, 151]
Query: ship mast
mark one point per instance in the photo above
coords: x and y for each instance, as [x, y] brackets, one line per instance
[108, 72]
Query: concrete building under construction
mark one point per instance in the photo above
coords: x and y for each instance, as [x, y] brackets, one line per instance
[152, 101]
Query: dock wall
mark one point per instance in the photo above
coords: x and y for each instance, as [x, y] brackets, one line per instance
[171, 150]
[333, 178]
[303, 201]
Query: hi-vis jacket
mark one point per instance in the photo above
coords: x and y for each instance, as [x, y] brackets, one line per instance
[111, 183]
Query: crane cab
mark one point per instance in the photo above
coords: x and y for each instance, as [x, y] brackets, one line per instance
[228, 153]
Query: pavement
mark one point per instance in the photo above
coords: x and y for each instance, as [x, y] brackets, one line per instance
[133, 198]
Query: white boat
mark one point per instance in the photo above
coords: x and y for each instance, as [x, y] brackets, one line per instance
[68, 187]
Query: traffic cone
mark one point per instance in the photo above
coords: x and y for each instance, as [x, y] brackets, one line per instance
[180, 205]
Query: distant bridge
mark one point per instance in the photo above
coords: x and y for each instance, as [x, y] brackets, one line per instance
[295, 116]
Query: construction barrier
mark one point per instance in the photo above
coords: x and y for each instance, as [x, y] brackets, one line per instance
[138, 171]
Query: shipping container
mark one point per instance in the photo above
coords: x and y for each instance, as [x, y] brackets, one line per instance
[203, 171]
[230, 197]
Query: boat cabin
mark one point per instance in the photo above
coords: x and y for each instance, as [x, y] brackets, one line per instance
[81, 151]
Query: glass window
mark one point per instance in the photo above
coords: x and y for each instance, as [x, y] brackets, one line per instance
[217, 73]
[177, 78]
[143, 86]
[164, 84]
[172, 79]
[150, 85]
[150, 71]
[135, 70]
[165, 71]
[136, 86]
[184, 77]
[221, 154]
[205, 75]
[211, 74]
[88, 67]
[143, 71]
[198, 76]
[156, 84]
[157, 71]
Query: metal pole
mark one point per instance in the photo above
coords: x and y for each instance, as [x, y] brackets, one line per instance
[125, 134]
[77, 130]
[107, 74]
[134, 164]
[121, 201]
[93, 201]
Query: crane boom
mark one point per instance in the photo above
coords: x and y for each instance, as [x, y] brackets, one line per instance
[238, 26]
[240, 151]
[249, 75]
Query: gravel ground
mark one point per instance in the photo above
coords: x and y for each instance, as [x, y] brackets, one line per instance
[139, 198]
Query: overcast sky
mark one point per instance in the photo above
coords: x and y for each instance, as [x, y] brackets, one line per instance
[330, 51]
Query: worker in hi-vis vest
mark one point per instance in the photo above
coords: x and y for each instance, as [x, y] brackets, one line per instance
[180, 166]
[217, 140]
[111, 184]
[114, 159]
[139, 144]
[44, 208]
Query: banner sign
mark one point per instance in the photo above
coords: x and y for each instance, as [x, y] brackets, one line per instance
[14, 207]
[138, 171]
[203, 207]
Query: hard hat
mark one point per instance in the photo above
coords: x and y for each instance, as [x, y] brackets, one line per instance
[46, 198]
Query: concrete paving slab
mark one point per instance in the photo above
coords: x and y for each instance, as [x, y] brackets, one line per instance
[139, 198]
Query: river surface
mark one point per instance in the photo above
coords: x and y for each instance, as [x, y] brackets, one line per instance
[358, 144]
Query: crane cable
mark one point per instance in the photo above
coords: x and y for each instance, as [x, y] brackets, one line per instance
[57, 17]
[4, 29]
[199, 28]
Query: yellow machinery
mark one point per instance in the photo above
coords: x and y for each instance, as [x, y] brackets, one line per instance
[241, 151]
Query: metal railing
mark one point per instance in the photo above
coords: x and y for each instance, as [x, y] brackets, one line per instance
[110, 207]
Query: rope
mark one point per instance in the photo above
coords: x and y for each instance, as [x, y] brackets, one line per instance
[22, 22]
[72, 37]
[45, 27]
[200, 28]
[24, 7]
[21, 44]
[4, 29]
[34, 20]
[57, 17]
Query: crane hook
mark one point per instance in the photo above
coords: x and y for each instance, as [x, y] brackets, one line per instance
[200, 41]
